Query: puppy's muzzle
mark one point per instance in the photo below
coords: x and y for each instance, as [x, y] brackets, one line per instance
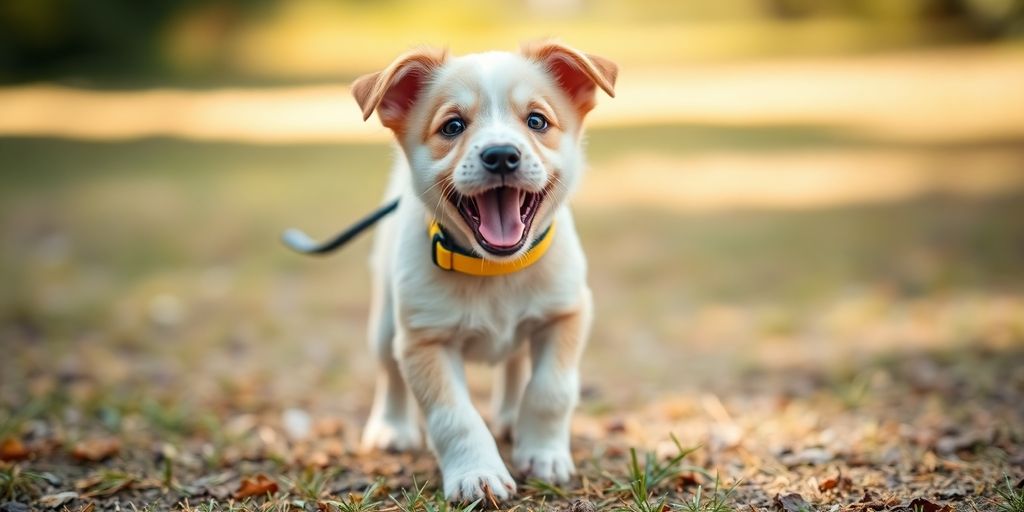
[502, 159]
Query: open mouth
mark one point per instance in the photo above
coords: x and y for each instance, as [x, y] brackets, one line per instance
[500, 217]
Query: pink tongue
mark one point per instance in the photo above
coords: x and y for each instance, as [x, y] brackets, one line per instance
[500, 224]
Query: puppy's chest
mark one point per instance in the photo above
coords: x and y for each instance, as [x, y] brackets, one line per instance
[491, 333]
[491, 324]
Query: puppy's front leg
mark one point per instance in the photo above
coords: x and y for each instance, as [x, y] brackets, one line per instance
[541, 445]
[509, 382]
[466, 452]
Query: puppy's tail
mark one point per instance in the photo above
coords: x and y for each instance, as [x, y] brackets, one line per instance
[299, 241]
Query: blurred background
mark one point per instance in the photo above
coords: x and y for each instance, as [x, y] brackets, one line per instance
[784, 196]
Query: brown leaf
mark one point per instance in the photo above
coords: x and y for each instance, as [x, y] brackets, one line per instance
[869, 502]
[838, 481]
[828, 484]
[105, 483]
[257, 485]
[11, 449]
[95, 450]
[792, 502]
[688, 479]
[923, 505]
[615, 426]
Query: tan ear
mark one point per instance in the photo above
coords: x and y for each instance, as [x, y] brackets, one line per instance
[577, 73]
[392, 92]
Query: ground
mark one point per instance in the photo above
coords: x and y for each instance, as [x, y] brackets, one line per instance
[865, 351]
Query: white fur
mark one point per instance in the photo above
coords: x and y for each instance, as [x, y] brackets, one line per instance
[514, 320]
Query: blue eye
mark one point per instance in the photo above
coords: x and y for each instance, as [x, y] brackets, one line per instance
[453, 127]
[537, 122]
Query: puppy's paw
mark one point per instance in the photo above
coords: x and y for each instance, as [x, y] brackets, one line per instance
[479, 484]
[548, 464]
[392, 436]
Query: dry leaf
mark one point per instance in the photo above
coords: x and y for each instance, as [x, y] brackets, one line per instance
[615, 426]
[317, 459]
[95, 450]
[838, 481]
[792, 503]
[56, 500]
[257, 485]
[923, 505]
[870, 502]
[688, 479]
[105, 483]
[88, 507]
[807, 457]
[964, 441]
[11, 449]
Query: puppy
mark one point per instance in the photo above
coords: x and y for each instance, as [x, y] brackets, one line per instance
[481, 261]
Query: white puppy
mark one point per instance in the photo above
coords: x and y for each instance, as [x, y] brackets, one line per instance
[481, 261]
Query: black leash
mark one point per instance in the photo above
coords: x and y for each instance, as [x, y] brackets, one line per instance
[301, 242]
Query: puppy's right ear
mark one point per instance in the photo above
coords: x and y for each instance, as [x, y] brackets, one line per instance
[393, 92]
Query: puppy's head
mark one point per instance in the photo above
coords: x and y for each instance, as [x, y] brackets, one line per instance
[493, 139]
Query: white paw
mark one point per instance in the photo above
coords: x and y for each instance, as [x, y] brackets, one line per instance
[475, 484]
[392, 436]
[548, 464]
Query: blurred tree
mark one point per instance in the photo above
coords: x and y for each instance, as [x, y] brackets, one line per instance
[40, 38]
[155, 40]
[983, 19]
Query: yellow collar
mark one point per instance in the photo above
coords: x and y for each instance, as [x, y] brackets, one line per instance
[449, 256]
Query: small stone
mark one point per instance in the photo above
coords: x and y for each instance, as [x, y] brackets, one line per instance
[581, 506]
[297, 424]
[56, 500]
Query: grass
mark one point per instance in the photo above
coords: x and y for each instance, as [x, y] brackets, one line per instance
[653, 472]
[312, 485]
[366, 501]
[18, 484]
[717, 502]
[641, 490]
[420, 499]
[1011, 498]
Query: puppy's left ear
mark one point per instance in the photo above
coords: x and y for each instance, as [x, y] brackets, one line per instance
[578, 74]
[393, 92]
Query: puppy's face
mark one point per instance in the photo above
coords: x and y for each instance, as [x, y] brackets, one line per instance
[493, 139]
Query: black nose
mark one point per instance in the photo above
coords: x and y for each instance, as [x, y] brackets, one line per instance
[500, 159]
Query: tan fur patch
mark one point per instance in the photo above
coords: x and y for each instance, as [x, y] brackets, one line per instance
[371, 91]
[566, 333]
[578, 72]
[426, 371]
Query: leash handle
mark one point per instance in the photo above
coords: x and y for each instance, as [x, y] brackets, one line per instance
[300, 242]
